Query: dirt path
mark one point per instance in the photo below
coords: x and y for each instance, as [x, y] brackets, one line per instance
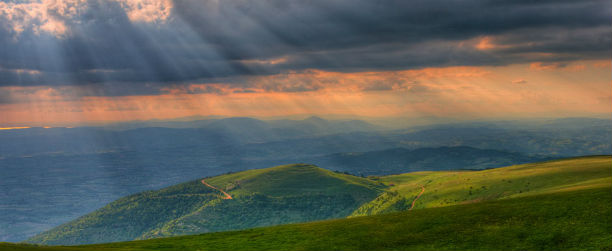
[227, 196]
[414, 201]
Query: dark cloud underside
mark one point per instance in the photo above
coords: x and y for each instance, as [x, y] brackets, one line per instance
[204, 40]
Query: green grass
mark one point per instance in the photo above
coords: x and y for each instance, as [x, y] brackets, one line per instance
[447, 188]
[293, 179]
[263, 197]
[568, 220]
[555, 205]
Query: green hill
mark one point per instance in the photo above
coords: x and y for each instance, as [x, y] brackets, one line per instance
[554, 205]
[565, 220]
[447, 188]
[263, 197]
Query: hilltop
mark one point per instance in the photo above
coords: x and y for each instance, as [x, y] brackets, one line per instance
[261, 197]
[445, 188]
[576, 216]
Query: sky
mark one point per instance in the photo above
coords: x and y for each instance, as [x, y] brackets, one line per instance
[71, 62]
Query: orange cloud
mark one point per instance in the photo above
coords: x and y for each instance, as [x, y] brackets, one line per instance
[485, 44]
[442, 92]
[317, 80]
[539, 66]
[603, 64]
[573, 67]
[488, 43]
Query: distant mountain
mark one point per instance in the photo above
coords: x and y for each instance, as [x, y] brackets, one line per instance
[316, 124]
[401, 160]
[249, 130]
[262, 197]
[590, 139]
[226, 131]
[576, 123]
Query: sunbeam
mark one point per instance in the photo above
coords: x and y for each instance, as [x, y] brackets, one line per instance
[125, 120]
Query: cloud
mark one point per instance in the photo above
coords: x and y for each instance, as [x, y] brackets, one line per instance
[244, 91]
[44, 16]
[147, 10]
[297, 85]
[57, 17]
[519, 81]
[156, 43]
[603, 64]
[539, 66]
[419, 89]
[195, 89]
[565, 66]
[378, 86]
[16, 95]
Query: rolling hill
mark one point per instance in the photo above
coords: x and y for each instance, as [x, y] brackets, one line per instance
[262, 197]
[447, 188]
[300, 193]
[565, 219]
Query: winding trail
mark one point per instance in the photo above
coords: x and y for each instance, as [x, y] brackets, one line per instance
[414, 201]
[227, 195]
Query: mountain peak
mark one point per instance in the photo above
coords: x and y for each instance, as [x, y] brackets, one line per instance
[315, 119]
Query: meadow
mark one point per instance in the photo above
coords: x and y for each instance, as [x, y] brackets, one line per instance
[555, 205]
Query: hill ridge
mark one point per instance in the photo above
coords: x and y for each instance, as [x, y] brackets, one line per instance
[260, 197]
[303, 192]
[539, 222]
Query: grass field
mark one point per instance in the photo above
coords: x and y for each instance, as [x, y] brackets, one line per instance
[568, 220]
[447, 188]
[555, 205]
[261, 197]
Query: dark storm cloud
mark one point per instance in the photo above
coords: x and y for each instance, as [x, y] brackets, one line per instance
[205, 40]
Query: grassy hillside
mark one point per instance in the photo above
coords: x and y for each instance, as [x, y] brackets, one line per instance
[278, 195]
[563, 204]
[461, 187]
[565, 220]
